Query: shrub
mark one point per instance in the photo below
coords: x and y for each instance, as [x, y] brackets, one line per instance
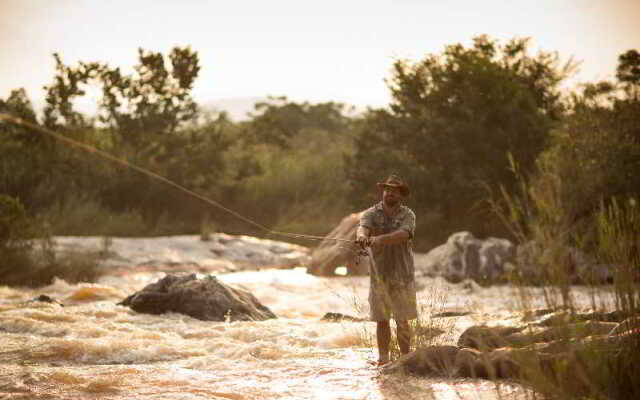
[598, 369]
[82, 215]
[26, 252]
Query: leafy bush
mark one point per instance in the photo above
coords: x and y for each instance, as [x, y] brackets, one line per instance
[15, 230]
[453, 119]
[82, 215]
[15, 225]
[585, 194]
[26, 254]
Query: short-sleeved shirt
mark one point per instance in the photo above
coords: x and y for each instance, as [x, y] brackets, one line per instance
[393, 262]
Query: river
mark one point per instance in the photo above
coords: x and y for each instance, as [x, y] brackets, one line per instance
[92, 348]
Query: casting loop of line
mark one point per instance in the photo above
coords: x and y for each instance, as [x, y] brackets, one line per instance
[105, 155]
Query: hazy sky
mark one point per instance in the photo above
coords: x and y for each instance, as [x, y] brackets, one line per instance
[306, 50]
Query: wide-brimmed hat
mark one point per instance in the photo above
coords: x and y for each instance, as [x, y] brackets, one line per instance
[394, 181]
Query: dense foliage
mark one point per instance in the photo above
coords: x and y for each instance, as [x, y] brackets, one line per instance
[584, 194]
[456, 120]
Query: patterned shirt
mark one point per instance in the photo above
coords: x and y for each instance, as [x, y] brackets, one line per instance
[393, 262]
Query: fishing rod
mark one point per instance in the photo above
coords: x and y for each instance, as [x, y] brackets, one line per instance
[126, 164]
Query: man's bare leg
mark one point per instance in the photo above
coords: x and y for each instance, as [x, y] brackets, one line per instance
[383, 334]
[404, 336]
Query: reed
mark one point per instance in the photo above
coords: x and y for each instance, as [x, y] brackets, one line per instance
[597, 367]
[427, 329]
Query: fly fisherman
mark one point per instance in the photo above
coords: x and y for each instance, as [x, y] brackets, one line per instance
[387, 229]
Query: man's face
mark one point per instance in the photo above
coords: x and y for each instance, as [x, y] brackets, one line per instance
[391, 196]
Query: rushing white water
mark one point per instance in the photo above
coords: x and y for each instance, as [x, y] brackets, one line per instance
[93, 348]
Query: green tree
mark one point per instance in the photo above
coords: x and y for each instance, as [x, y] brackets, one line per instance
[279, 121]
[290, 165]
[141, 118]
[594, 157]
[137, 108]
[453, 120]
[25, 155]
[628, 72]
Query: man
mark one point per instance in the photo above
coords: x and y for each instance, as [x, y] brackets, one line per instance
[387, 228]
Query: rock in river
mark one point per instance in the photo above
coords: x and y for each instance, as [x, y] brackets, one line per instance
[331, 254]
[205, 299]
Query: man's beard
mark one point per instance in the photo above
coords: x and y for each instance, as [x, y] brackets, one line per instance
[389, 202]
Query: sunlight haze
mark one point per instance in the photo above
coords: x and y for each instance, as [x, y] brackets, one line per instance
[308, 51]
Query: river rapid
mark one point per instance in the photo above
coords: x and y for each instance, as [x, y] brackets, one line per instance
[92, 348]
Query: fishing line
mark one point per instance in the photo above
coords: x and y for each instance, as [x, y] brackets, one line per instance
[103, 154]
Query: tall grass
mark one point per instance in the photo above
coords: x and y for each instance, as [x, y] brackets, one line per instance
[426, 330]
[599, 368]
[619, 236]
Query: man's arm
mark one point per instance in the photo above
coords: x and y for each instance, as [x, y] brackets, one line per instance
[396, 237]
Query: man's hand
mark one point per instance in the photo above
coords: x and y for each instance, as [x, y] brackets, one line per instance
[362, 236]
[363, 241]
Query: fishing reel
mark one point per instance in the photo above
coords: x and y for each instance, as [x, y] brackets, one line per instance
[360, 252]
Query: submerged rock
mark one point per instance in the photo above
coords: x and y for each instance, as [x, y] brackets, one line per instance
[451, 313]
[206, 299]
[339, 317]
[43, 298]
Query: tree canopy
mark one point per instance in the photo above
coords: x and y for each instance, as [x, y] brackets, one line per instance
[454, 119]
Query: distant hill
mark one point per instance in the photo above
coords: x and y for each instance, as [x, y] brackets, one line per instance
[237, 107]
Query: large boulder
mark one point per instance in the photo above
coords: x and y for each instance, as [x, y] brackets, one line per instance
[487, 338]
[206, 299]
[465, 257]
[568, 263]
[484, 338]
[331, 254]
[561, 353]
[496, 260]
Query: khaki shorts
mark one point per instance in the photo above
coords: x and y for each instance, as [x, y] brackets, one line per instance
[397, 302]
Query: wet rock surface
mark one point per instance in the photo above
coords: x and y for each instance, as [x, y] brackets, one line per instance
[339, 317]
[461, 258]
[428, 361]
[495, 260]
[465, 257]
[43, 298]
[450, 314]
[580, 267]
[221, 252]
[331, 254]
[205, 299]
[497, 352]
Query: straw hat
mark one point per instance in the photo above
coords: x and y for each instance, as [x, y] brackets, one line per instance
[394, 181]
